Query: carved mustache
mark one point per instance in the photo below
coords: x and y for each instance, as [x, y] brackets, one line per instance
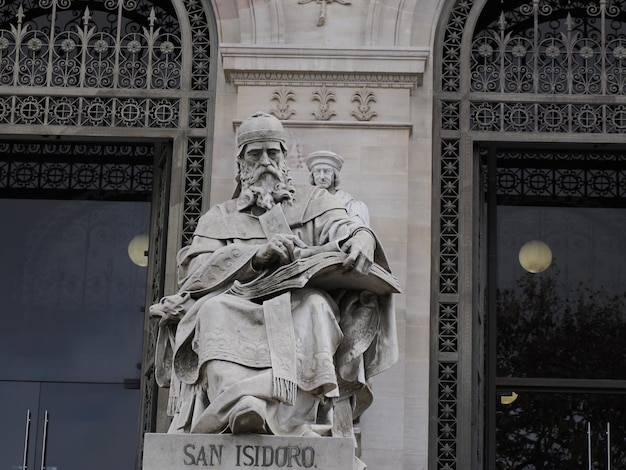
[256, 173]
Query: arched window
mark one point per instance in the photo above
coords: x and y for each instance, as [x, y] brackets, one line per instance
[97, 98]
[534, 128]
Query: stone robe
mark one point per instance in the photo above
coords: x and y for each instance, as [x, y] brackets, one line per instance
[354, 207]
[220, 350]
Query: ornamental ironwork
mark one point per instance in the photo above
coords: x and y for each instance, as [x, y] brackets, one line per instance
[89, 44]
[552, 47]
[449, 210]
[194, 186]
[587, 118]
[560, 177]
[113, 68]
[39, 169]
[91, 111]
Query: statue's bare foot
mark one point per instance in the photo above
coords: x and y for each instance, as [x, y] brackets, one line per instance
[248, 416]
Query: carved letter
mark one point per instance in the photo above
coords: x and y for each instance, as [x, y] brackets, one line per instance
[249, 461]
[192, 461]
[283, 462]
[294, 452]
[201, 457]
[308, 457]
[217, 451]
[268, 456]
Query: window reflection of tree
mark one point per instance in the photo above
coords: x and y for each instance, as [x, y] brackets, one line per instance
[542, 334]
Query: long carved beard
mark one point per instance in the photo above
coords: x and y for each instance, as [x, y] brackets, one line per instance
[264, 187]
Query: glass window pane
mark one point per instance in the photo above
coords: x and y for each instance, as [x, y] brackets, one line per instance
[89, 426]
[72, 298]
[561, 431]
[18, 426]
[568, 321]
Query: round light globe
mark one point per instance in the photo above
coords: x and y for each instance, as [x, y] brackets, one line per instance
[137, 249]
[535, 256]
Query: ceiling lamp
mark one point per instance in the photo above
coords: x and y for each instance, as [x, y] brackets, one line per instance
[138, 250]
[535, 256]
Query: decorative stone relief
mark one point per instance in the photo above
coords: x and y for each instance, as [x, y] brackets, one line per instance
[283, 96]
[324, 96]
[364, 111]
[323, 3]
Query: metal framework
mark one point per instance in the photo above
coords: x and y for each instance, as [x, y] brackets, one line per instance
[35, 169]
[135, 70]
[546, 71]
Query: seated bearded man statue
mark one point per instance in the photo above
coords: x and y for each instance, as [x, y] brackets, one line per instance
[291, 360]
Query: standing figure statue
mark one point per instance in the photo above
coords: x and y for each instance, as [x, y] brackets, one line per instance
[325, 166]
[242, 346]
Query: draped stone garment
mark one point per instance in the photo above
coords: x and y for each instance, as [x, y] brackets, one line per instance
[219, 327]
[354, 207]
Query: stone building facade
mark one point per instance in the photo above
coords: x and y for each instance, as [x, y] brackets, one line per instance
[128, 101]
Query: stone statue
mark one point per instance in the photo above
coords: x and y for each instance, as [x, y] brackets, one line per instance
[325, 166]
[248, 344]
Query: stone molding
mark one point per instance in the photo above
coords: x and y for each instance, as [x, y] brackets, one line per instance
[378, 67]
[313, 124]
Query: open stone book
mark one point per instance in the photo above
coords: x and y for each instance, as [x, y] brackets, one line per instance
[322, 270]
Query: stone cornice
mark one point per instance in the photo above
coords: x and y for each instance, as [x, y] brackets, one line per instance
[389, 67]
[312, 124]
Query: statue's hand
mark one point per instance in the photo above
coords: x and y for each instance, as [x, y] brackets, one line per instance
[360, 249]
[280, 248]
[170, 309]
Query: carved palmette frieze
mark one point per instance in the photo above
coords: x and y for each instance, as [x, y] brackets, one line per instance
[364, 97]
[283, 96]
[334, 105]
[324, 97]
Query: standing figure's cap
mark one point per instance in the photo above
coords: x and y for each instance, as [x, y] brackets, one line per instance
[324, 156]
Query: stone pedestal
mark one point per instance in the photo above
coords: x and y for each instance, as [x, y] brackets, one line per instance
[237, 452]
